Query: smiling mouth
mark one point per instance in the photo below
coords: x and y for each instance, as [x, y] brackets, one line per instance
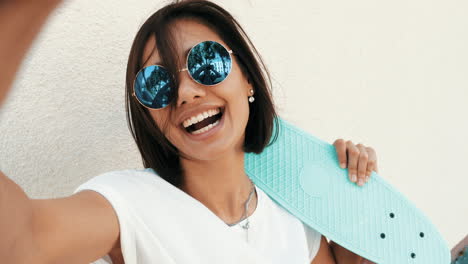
[205, 122]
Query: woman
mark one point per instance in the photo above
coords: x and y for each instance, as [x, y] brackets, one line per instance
[192, 120]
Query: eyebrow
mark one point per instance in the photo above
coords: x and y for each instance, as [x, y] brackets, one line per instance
[159, 63]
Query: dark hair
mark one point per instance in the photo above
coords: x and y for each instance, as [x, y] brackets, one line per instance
[156, 151]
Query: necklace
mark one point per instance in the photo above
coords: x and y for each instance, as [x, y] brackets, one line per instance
[244, 216]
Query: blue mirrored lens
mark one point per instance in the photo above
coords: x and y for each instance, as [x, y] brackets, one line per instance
[152, 87]
[209, 63]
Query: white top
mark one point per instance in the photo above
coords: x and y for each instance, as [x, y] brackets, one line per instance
[162, 224]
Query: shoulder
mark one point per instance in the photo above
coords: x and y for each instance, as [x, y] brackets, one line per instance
[294, 225]
[125, 192]
[312, 236]
[124, 186]
[124, 174]
[119, 178]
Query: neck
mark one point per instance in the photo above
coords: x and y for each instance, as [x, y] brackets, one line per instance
[221, 185]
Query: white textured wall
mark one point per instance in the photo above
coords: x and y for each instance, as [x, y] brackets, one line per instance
[388, 74]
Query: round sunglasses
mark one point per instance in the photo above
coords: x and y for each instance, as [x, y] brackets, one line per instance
[208, 63]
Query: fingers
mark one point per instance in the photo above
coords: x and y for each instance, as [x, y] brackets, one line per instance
[362, 164]
[18, 35]
[353, 159]
[359, 159]
[372, 162]
[340, 147]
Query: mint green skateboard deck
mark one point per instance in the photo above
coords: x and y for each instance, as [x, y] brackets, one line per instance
[300, 172]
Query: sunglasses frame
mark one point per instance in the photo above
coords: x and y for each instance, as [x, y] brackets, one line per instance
[181, 70]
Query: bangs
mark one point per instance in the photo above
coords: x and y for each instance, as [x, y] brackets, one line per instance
[169, 58]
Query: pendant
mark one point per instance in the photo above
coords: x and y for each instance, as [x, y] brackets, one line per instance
[246, 227]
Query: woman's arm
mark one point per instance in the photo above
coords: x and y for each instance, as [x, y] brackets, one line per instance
[344, 256]
[44, 231]
[20, 22]
[16, 215]
[332, 253]
[324, 254]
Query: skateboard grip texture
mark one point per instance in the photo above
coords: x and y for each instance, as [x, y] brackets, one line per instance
[300, 173]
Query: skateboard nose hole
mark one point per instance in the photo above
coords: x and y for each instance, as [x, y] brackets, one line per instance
[392, 215]
[413, 255]
[382, 235]
[421, 234]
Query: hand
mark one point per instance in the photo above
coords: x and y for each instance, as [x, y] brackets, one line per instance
[360, 160]
[20, 22]
[30, 2]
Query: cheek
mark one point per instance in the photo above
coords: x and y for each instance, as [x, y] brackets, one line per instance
[235, 93]
[235, 86]
[237, 97]
[160, 118]
[171, 132]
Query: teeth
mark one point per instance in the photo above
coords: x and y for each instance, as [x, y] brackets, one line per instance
[200, 117]
[208, 127]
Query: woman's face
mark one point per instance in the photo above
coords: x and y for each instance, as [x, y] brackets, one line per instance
[231, 96]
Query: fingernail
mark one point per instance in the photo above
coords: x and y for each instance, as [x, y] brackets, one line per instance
[353, 177]
[360, 183]
[342, 165]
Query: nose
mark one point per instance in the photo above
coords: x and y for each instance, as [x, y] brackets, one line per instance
[189, 89]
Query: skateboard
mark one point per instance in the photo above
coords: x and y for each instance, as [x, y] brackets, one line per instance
[300, 173]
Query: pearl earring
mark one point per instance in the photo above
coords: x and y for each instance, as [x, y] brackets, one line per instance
[251, 98]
